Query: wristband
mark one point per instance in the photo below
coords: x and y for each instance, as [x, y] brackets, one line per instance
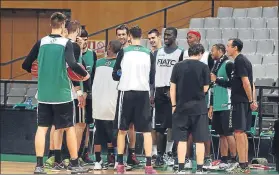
[79, 93]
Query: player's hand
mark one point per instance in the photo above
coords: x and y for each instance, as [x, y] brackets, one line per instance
[254, 106]
[81, 101]
[213, 77]
[210, 112]
[85, 97]
[173, 109]
[86, 77]
[152, 101]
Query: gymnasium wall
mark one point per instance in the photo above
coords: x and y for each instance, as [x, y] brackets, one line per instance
[96, 15]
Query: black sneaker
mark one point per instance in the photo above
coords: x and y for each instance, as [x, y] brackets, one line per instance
[87, 159]
[110, 160]
[132, 160]
[77, 169]
[39, 170]
[159, 161]
[58, 167]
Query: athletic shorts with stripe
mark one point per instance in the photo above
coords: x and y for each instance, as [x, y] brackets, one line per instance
[133, 107]
[241, 116]
[104, 132]
[60, 115]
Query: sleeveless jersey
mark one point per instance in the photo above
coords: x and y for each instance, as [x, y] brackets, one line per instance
[221, 95]
[164, 65]
[104, 90]
[89, 60]
[54, 86]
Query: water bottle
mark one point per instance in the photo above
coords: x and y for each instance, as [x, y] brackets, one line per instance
[29, 103]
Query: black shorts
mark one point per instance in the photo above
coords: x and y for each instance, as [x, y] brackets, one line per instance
[163, 108]
[80, 113]
[88, 112]
[221, 123]
[59, 115]
[104, 131]
[241, 116]
[196, 124]
[133, 107]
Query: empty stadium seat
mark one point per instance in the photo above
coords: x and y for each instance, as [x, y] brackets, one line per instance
[196, 22]
[31, 92]
[255, 12]
[182, 33]
[264, 82]
[211, 23]
[255, 58]
[271, 71]
[183, 43]
[205, 44]
[202, 32]
[258, 71]
[18, 85]
[273, 34]
[11, 101]
[261, 34]
[213, 34]
[270, 12]
[212, 42]
[226, 23]
[269, 59]
[249, 46]
[276, 47]
[265, 47]
[16, 92]
[224, 12]
[239, 12]
[229, 33]
[272, 22]
[245, 34]
[242, 22]
[258, 23]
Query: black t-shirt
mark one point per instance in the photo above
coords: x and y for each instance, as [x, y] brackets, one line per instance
[242, 68]
[190, 77]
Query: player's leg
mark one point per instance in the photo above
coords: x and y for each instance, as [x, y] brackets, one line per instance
[200, 135]
[50, 161]
[132, 158]
[154, 135]
[64, 120]
[239, 122]
[108, 125]
[207, 155]
[169, 148]
[58, 139]
[180, 135]
[45, 120]
[161, 145]
[88, 120]
[142, 120]
[98, 140]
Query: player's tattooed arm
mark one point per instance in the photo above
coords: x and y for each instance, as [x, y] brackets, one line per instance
[31, 57]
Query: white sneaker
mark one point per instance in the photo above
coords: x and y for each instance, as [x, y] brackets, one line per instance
[207, 164]
[181, 172]
[169, 160]
[188, 164]
[223, 166]
[232, 166]
[98, 165]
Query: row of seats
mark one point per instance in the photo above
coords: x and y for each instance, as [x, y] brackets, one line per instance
[234, 22]
[264, 47]
[226, 33]
[254, 12]
[263, 59]
[265, 71]
[267, 82]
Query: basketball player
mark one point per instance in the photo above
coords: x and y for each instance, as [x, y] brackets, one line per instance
[154, 39]
[89, 57]
[55, 103]
[221, 76]
[194, 37]
[122, 34]
[104, 95]
[189, 106]
[166, 58]
[243, 100]
[135, 71]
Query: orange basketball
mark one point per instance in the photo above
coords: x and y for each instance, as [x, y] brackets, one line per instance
[74, 76]
[34, 69]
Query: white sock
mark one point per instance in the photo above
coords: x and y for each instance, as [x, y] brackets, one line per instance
[169, 146]
[154, 150]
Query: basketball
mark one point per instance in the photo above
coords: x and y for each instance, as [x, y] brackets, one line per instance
[34, 69]
[74, 76]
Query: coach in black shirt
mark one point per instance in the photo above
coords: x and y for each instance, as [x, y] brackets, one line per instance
[243, 100]
[189, 81]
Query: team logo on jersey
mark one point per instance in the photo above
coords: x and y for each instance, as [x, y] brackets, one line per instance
[166, 62]
[136, 48]
[53, 40]
[108, 63]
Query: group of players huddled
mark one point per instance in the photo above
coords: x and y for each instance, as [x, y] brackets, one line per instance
[165, 90]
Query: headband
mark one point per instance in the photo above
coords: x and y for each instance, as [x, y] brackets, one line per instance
[195, 33]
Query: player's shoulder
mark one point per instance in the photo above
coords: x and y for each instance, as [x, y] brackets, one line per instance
[137, 48]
